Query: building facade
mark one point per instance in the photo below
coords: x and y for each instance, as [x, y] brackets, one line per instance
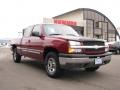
[91, 23]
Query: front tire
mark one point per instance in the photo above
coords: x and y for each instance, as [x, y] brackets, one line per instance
[52, 65]
[92, 69]
[16, 56]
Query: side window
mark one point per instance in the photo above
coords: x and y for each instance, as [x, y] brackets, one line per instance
[36, 31]
[27, 31]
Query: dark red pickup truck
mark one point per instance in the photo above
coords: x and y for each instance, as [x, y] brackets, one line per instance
[60, 46]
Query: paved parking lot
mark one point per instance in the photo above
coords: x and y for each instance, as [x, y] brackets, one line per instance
[30, 75]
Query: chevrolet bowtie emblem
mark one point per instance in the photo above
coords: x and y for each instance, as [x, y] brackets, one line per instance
[96, 47]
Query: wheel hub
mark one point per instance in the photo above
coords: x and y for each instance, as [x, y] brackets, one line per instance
[51, 65]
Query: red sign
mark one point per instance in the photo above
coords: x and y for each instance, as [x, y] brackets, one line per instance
[65, 22]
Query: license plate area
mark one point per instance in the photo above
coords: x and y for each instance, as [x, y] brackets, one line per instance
[98, 60]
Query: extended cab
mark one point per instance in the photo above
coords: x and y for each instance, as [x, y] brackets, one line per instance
[60, 46]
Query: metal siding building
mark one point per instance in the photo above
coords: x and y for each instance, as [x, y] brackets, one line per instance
[91, 23]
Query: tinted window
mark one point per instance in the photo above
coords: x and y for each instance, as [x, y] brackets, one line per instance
[36, 31]
[27, 31]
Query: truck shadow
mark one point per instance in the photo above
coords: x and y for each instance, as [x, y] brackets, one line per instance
[35, 64]
[67, 74]
[80, 74]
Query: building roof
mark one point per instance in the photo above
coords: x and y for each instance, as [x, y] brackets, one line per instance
[88, 9]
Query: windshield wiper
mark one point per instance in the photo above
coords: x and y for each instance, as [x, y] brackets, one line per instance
[55, 34]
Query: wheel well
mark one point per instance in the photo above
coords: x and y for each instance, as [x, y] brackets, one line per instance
[13, 46]
[49, 49]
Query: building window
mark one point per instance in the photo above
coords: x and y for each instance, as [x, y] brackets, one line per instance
[97, 25]
[98, 36]
[111, 39]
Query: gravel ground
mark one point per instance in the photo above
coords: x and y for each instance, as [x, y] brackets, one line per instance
[30, 75]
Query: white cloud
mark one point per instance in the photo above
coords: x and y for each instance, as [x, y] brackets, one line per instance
[18, 14]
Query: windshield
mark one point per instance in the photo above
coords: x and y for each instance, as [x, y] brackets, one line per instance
[57, 29]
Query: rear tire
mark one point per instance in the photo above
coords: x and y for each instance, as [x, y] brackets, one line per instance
[16, 56]
[52, 66]
[92, 69]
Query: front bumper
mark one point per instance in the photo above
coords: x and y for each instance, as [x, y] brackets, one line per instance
[82, 60]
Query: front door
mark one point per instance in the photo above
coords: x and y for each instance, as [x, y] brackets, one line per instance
[35, 44]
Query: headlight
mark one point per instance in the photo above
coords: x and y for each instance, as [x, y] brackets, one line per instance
[106, 48]
[74, 50]
[74, 43]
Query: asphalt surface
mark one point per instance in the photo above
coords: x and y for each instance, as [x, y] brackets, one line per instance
[30, 75]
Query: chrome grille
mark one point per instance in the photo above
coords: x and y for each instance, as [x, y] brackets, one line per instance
[93, 50]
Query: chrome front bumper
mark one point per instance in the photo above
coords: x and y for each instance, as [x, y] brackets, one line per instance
[82, 61]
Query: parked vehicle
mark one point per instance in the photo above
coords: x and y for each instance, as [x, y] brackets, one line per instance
[114, 47]
[117, 44]
[60, 46]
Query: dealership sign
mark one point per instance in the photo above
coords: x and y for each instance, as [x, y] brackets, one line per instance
[66, 22]
[59, 21]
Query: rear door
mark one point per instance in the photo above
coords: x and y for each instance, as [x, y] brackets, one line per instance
[25, 40]
[36, 43]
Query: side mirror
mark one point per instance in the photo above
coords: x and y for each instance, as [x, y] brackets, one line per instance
[41, 36]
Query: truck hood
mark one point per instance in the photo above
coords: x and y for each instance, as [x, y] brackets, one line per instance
[75, 38]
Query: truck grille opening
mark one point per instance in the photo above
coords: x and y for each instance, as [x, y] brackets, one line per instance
[92, 43]
[94, 51]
